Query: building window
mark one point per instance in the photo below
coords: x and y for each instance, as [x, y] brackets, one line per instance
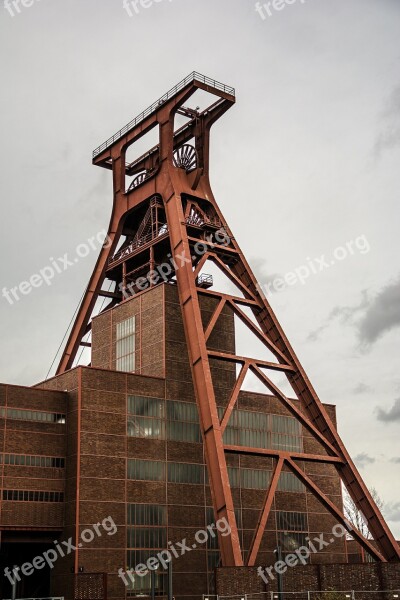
[259, 479]
[147, 514]
[183, 422]
[255, 479]
[146, 470]
[289, 542]
[179, 421]
[286, 433]
[246, 428]
[185, 473]
[153, 470]
[260, 430]
[30, 496]
[291, 521]
[234, 476]
[146, 537]
[32, 461]
[292, 530]
[146, 418]
[252, 479]
[288, 482]
[160, 419]
[125, 346]
[32, 415]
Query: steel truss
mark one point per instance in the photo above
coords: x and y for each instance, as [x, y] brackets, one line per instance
[164, 213]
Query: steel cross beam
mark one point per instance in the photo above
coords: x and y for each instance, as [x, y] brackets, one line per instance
[311, 404]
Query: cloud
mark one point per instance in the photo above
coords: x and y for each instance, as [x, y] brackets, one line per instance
[388, 416]
[363, 459]
[389, 137]
[263, 275]
[362, 388]
[372, 317]
[382, 315]
[396, 460]
[344, 314]
[392, 511]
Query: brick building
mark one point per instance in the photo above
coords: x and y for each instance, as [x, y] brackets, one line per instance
[103, 467]
[102, 442]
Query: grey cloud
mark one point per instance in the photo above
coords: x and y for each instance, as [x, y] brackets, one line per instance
[396, 460]
[392, 511]
[388, 416]
[343, 314]
[389, 137]
[363, 459]
[372, 317]
[314, 335]
[362, 388]
[382, 315]
[263, 275]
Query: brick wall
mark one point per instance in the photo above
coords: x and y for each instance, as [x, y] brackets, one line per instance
[362, 577]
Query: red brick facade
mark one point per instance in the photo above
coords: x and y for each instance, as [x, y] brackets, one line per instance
[93, 441]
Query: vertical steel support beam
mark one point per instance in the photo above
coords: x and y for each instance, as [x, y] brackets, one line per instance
[202, 380]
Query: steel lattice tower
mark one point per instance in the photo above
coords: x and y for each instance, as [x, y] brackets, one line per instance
[168, 209]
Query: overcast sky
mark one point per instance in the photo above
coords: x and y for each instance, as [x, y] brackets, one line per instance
[306, 161]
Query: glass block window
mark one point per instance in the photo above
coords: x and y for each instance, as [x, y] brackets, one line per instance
[147, 514]
[260, 430]
[290, 542]
[255, 479]
[291, 521]
[252, 479]
[234, 476]
[32, 461]
[31, 496]
[286, 433]
[183, 422]
[247, 428]
[146, 537]
[288, 482]
[160, 419]
[185, 473]
[146, 470]
[146, 418]
[32, 415]
[125, 345]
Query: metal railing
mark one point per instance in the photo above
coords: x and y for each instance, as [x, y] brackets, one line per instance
[317, 595]
[194, 76]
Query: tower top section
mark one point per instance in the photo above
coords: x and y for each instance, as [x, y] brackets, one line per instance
[195, 79]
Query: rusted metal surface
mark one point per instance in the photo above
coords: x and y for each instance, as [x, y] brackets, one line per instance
[173, 176]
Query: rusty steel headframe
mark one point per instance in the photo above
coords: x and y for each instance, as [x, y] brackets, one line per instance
[167, 209]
